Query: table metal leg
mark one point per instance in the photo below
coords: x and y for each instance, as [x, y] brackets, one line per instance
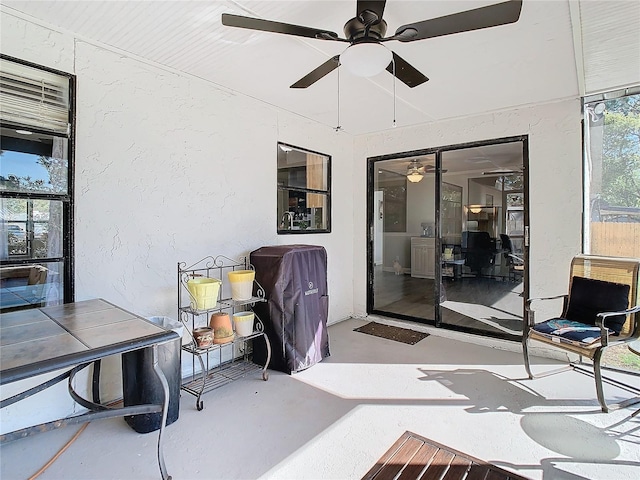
[96, 381]
[165, 408]
[32, 391]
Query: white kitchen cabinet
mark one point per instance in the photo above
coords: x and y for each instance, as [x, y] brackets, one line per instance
[423, 257]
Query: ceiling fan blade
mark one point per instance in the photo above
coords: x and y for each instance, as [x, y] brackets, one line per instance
[315, 75]
[239, 21]
[405, 72]
[501, 172]
[375, 6]
[384, 170]
[476, 19]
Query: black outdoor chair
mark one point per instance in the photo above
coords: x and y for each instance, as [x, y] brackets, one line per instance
[600, 311]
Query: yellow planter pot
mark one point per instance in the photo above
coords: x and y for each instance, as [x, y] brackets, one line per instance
[204, 292]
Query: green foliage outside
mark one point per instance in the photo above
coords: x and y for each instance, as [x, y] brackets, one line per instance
[621, 152]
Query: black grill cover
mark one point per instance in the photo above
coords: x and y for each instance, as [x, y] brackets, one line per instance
[294, 278]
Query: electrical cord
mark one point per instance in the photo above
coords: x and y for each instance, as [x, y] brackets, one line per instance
[60, 452]
[66, 446]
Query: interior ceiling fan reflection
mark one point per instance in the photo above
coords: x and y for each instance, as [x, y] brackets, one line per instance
[429, 169]
[365, 33]
[502, 172]
[416, 171]
[416, 167]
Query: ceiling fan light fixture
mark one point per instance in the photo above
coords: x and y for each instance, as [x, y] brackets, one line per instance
[414, 177]
[366, 59]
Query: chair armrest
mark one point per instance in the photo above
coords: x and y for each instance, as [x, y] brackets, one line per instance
[601, 319]
[531, 300]
[530, 314]
[520, 260]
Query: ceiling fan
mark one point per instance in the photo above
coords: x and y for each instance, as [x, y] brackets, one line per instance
[415, 170]
[366, 56]
[501, 172]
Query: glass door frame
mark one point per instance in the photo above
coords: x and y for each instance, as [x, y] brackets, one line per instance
[438, 151]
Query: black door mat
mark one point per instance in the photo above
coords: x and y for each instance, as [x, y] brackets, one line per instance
[389, 332]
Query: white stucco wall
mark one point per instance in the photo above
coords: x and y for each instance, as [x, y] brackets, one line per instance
[555, 178]
[171, 168]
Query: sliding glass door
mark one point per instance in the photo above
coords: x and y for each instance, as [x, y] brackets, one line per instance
[448, 237]
[483, 260]
[403, 241]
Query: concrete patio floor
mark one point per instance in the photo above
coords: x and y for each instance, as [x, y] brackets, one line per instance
[334, 420]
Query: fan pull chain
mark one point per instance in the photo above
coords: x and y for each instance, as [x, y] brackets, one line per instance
[338, 126]
[393, 61]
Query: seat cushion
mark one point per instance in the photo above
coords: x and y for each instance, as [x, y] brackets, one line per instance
[588, 297]
[567, 331]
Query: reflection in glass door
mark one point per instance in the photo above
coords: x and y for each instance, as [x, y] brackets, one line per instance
[483, 265]
[403, 251]
[462, 243]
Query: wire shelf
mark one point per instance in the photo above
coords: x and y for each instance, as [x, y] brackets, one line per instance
[219, 377]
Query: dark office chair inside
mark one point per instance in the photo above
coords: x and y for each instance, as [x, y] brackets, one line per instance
[514, 263]
[479, 252]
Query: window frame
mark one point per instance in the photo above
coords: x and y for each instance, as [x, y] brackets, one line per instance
[67, 199]
[281, 146]
[591, 206]
[456, 208]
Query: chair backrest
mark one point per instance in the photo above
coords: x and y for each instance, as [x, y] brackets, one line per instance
[616, 270]
[478, 240]
[478, 250]
[507, 248]
[505, 241]
[37, 275]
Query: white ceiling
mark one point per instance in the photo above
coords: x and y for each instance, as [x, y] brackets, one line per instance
[524, 63]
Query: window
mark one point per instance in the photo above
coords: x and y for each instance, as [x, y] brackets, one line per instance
[612, 173]
[451, 213]
[394, 194]
[35, 186]
[304, 196]
[512, 187]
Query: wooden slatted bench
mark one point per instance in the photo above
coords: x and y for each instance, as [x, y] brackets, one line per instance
[413, 457]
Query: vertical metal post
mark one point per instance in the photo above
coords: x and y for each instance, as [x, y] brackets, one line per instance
[165, 409]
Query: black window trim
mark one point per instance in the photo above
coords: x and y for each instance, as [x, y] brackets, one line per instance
[68, 247]
[326, 192]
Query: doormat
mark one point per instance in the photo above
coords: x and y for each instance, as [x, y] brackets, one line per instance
[389, 332]
[413, 457]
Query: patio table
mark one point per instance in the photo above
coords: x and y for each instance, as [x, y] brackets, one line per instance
[21, 296]
[75, 335]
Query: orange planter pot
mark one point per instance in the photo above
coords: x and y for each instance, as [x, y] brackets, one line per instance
[222, 327]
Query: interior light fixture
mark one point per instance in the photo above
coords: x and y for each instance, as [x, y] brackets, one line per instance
[414, 177]
[24, 132]
[285, 149]
[366, 59]
[414, 171]
[475, 208]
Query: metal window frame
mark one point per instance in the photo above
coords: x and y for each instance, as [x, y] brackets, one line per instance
[326, 192]
[68, 248]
